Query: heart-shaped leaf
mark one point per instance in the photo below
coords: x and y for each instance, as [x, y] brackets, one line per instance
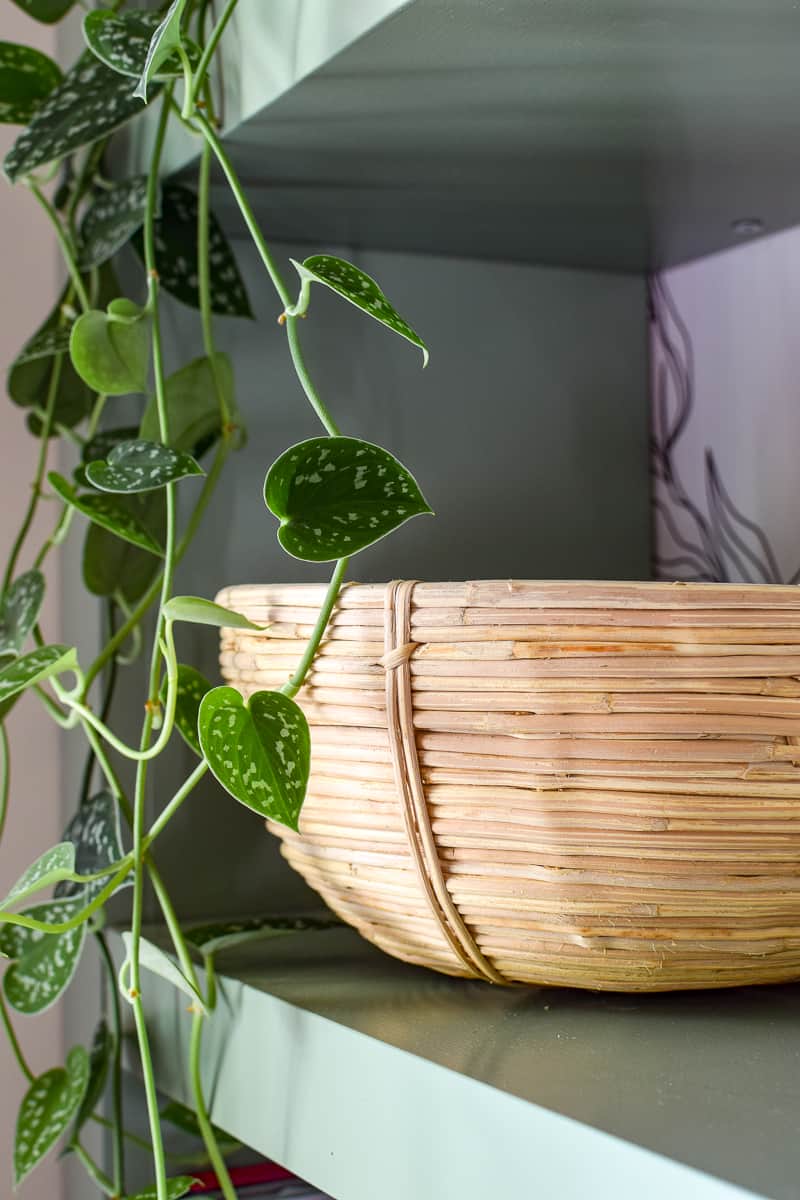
[91, 102]
[47, 11]
[46, 1111]
[176, 255]
[192, 686]
[334, 496]
[184, 1118]
[99, 1061]
[260, 752]
[192, 405]
[176, 1189]
[222, 935]
[27, 77]
[19, 610]
[94, 835]
[51, 867]
[357, 287]
[164, 43]
[197, 611]
[35, 667]
[108, 511]
[101, 445]
[152, 958]
[122, 41]
[112, 220]
[111, 565]
[44, 963]
[139, 466]
[111, 350]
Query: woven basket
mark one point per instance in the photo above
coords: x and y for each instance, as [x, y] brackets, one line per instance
[585, 784]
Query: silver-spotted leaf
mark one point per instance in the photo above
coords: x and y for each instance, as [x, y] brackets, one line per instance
[34, 667]
[111, 350]
[94, 835]
[44, 963]
[54, 865]
[176, 1189]
[192, 686]
[46, 1111]
[47, 11]
[122, 41]
[334, 496]
[154, 959]
[193, 407]
[223, 935]
[360, 289]
[112, 220]
[91, 102]
[140, 466]
[27, 77]
[108, 511]
[260, 751]
[197, 611]
[101, 445]
[99, 1060]
[19, 610]
[165, 43]
[176, 255]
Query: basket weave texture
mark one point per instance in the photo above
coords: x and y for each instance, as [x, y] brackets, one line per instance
[608, 774]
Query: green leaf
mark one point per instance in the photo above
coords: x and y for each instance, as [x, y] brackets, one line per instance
[192, 686]
[112, 220]
[176, 255]
[192, 406]
[35, 667]
[357, 287]
[29, 375]
[185, 1119]
[139, 466]
[108, 511]
[260, 752]
[26, 78]
[47, 11]
[94, 835]
[44, 963]
[19, 610]
[44, 344]
[111, 565]
[152, 958]
[334, 496]
[51, 867]
[90, 103]
[99, 1061]
[164, 43]
[222, 935]
[111, 350]
[101, 445]
[122, 41]
[46, 1111]
[176, 1188]
[197, 611]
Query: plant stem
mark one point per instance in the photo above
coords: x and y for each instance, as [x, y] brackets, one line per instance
[313, 396]
[117, 1143]
[204, 284]
[177, 800]
[92, 1170]
[208, 53]
[195, 1060]
[66, 246]
[12, 1038]
[292, 687]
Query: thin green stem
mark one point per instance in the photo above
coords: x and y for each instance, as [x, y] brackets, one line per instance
[92, 1170]
[195, 1072]
[66, 246]
[125, 867]
[293, 685]
[208, 53]
[312, 395]
[5, 777]
[117, 1143]
[177, 800]
[12, 1038]
[204, 285]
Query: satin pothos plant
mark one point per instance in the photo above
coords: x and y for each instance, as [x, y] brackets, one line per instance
[332, 496]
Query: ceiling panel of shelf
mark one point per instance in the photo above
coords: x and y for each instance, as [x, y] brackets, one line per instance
[622, 134]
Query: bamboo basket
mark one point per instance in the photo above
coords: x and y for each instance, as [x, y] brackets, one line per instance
[594, 785]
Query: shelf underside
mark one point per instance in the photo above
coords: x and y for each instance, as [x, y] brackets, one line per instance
[618, 134]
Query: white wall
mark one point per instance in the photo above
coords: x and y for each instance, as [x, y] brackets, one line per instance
[30, 278]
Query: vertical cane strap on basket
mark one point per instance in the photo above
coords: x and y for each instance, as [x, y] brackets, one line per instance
[400, 725]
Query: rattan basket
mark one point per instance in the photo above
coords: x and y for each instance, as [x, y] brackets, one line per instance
[585, 784]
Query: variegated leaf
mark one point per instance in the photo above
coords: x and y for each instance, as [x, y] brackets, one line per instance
[140, 466]
[44, 963]
[112, 220]
[32, 668]
[54, 865]
[99, 1061]
[94, 834]
[46, 1111]
[223, 935]
[108, 511]
[19, 611]
[26, 79]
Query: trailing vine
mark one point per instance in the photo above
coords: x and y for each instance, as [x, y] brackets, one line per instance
[332, 497]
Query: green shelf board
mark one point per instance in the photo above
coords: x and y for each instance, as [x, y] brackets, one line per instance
[370, 1077]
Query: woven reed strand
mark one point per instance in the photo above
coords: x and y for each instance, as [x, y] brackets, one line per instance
[611, 774]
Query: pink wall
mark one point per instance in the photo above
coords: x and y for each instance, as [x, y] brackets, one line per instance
[30, 277]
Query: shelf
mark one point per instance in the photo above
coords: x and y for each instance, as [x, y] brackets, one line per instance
[355, 1070]
[619, 134]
